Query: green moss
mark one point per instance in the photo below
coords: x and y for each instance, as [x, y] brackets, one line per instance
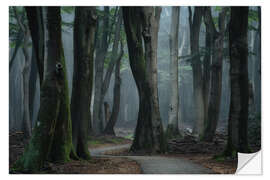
[62, 142]
[130, 136]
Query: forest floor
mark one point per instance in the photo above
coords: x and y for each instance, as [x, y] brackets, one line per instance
[202, 153]
[97, 165]
[110, 155]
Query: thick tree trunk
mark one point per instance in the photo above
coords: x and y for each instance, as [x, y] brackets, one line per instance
[257, 73]
[52, 134]
[145, 22]
[238, 118]
[99, 69]
[172, 129]
[84, 33]
[216, 78]
[195, 24]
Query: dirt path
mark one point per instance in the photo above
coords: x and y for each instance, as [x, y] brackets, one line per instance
[157, 164]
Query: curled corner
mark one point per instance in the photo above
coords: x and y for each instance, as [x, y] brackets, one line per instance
[249, 163]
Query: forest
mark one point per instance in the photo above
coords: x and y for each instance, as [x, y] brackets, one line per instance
[132, 90]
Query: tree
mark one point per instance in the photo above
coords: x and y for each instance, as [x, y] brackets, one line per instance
[195, 24]
[238, 117]
[109, 129]
[142, 23]
[26, 123]
[101, 51]
[172, 129]
[84, 33]
[52, 138]
[104, 83]
[216, 71]
[35, 23]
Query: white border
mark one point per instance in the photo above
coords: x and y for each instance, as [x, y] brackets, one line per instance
[4, 74]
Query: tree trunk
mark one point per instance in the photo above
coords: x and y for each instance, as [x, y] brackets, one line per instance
[35, 23]
[206, 70]
[99, 69]
[52, 134]
[216, 78]
[172, 129]
[26, 123]
[27, 128]
[84, 33]
[109, 130]
[32, 87]
[107, 111]
[144, 21]
[238, 118]
[195, 24]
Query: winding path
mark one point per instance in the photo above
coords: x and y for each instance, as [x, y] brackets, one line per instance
[157, 164]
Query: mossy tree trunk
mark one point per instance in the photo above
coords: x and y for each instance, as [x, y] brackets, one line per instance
[142, 23]
[238, 117]
[172, 129]
[51, 137]
[84, 33]
[195, 22]
[216, 72]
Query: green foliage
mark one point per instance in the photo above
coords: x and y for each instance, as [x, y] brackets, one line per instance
[67, 9]
[13, 24]
[252, 17]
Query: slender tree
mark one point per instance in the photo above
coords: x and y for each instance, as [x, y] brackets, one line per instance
[216, 72]
[117, 18]
[172, 129]
[35, 23]
[26, 122]
[142, 24]
[109, 129]
[195, 22]
[84, 33]
[101, 51]
[238, 117]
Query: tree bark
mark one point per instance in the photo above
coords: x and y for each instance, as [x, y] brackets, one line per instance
[172, 129]
[195, 24]
[144, 22]
[84, 33]
[32, 87]
[238, 118]
[27, 128]
[51, 137]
